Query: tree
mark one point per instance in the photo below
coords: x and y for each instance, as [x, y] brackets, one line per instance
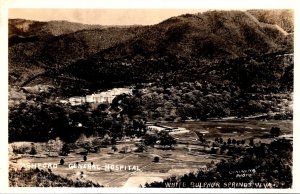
[221, 140]
[229, 141]
[202, 140]
[141, 147]
[166, 139]
[114, 148]
[84, 158]
[213, 150]
[251, 143]
[233, 141]
[65, 150]
[150, 139]
[156, 159]
[217, 139]
[275, 131]
[102, 107]
[61, 162]
[113, 141]
[33, 150]
[200, 137]
[116, 129]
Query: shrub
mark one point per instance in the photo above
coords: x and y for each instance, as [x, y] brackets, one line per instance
[20, 150]
[156, 159]
[65, 150]
[33, 150]
[275, 131]
[41, 178]
[114, 148]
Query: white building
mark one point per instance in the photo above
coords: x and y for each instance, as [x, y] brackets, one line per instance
[102, 97]
[108, 96]
[155, 128]
[77, 100]
[171, 130]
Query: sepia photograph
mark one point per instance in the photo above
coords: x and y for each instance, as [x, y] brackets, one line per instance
[151, 98]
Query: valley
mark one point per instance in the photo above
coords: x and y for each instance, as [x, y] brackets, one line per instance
[198, 100]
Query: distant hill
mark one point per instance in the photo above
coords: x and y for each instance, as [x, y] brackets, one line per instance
[44, 48]
[283, 18]
[50, 51]
[25, 28]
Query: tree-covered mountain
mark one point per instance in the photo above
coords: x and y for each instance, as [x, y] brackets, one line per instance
[283, 18]
[28, 28]
[146, 53]
[213, 34]
[45, 49]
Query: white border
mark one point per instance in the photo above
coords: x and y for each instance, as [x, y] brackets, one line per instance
[134, 4]
[162, 4]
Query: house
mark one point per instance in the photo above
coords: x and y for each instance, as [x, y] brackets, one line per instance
[107, 96]
[77, 100]
[286, 137]
[126, 149]
[81, 151]
[154, 128]
[171, 130]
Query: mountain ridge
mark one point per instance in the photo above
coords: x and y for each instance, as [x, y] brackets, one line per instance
[212, 35]
[208, 29]
[54, 27]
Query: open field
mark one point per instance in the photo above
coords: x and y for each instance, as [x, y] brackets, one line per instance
[238, 129]
[172, 162]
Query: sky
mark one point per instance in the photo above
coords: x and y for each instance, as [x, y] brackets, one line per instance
[127, 12]
[101, 16]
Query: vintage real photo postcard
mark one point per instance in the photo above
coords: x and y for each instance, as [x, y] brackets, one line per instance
[151, 98]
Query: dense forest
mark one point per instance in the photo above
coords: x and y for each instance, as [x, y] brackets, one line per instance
[66, 54]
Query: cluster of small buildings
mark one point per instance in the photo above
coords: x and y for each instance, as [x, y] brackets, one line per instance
[102, 97]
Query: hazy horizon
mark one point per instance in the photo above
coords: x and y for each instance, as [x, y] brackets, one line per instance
[100, 16]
